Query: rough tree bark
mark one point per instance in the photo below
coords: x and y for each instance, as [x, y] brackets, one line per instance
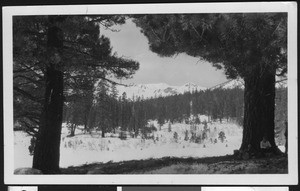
[259, 100]
[46, 154]
[47, 149]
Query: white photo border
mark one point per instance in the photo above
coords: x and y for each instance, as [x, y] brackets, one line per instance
[208, 179]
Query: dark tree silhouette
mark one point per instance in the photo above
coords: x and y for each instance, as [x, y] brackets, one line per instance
[252, 46]
[58, 50]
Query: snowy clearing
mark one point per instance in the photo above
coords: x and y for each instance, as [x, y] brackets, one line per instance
[86, 148]
[90, 148]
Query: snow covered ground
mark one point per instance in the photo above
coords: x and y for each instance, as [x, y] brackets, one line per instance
[89, 148]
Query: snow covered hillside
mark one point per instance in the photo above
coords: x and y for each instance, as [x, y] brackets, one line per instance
[230, 84]
[156, 90]
[239, 83]
[162, 89]
[89, 148]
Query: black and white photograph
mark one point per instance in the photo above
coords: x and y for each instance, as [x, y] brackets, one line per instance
[146, 94]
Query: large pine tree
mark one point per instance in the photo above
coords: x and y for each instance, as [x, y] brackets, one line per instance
[252, 46]
[52, 52]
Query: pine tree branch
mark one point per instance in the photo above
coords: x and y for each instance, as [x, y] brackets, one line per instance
[199, 36]
[28, 95]
[278, 81]
[31, 69]
[28, 78]
[155, 34]
[107, 64]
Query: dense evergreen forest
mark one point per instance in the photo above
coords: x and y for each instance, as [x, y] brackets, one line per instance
[105, 111]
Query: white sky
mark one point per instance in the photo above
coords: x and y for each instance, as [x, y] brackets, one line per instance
[130, 42]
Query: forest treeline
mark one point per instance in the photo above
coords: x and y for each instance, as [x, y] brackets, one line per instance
[105, 111]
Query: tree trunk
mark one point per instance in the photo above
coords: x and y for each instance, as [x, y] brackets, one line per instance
[103, 131]
[286, 137]
[259, 108]
[87, 116]
[47, 149]
[72, 130]
[46, 154]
